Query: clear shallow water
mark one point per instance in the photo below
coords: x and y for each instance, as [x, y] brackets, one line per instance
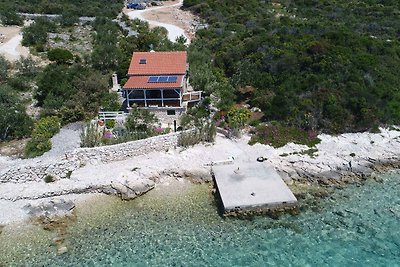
[357, 226]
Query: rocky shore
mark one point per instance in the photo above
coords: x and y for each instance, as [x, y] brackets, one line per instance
[336, 160]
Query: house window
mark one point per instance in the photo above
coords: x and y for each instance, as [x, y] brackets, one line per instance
[171, 112]
[142, 61]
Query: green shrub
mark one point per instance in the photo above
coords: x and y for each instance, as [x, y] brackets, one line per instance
[203, 133]
[254, 123]
[110, 102]
[14, 122]
[36, 33]
[37, 147]
[279, 135]
[91, 135]
[59, 55]
[10, 17]
[375, 129]
[49, 178]
[4, 67]
[110, 124]
[44, 129]
[237, 117]
[140, 120]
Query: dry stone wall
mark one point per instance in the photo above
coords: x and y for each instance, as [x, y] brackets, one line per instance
[79, 157]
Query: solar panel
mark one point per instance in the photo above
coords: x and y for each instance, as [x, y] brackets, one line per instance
[162, 79]
[172, 79]
[152, 79]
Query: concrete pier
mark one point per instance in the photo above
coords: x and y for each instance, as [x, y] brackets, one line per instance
[246, 185]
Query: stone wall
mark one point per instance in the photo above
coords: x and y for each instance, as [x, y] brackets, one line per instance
[37, 172]
[79, 157]
[168, 120]
[124, 151]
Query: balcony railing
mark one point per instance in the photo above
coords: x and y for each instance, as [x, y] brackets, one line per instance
[111, 115]
[191, 96]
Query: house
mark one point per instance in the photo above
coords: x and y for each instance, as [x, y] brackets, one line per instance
[158, 81]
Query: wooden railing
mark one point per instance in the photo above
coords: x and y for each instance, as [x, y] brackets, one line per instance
[191, 96]
[111, 115]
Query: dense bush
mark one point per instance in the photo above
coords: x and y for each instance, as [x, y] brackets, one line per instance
[4, 65]
[37, 147]
[75, 92]
[278, 135]
[197, 126]
[237, 117]
[141, 120]
[59, 55]
[204, 132]
[111, 102]
[10, 17]
[69, 8]
[40, 142]
[46, 127]
[14, 122]
[36, 33]
[91, 135]
[27, 67]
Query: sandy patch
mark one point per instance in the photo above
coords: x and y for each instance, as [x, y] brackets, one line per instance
[8, 32]
[173, 15]
[10, 43]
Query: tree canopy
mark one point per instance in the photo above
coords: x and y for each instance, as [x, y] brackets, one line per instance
[14, 122]
[330, 65]
[108, 8]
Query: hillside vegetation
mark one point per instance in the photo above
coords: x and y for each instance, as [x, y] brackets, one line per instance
[108, 8]
[74, 86]
[315, 64]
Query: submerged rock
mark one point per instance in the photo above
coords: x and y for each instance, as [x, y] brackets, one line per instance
[62, 250]
[129, 188]
[54, 215]
[51, 208]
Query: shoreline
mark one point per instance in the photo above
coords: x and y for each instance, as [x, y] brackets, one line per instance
[144, 230]
[339, 159]
[379, 156]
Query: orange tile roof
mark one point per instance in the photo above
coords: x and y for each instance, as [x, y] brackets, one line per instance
[140, 82]
[158, 63]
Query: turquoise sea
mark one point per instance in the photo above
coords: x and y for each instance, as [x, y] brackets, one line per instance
[178, 225]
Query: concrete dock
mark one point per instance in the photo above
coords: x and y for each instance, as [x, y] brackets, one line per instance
[246, 185]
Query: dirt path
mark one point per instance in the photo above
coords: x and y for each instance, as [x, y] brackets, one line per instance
[10, 43]
[169, 16]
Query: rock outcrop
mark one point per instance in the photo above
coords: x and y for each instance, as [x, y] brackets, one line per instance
[128, 187]
[50, 209]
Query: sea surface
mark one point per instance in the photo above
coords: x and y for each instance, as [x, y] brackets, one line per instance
[179, 225]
